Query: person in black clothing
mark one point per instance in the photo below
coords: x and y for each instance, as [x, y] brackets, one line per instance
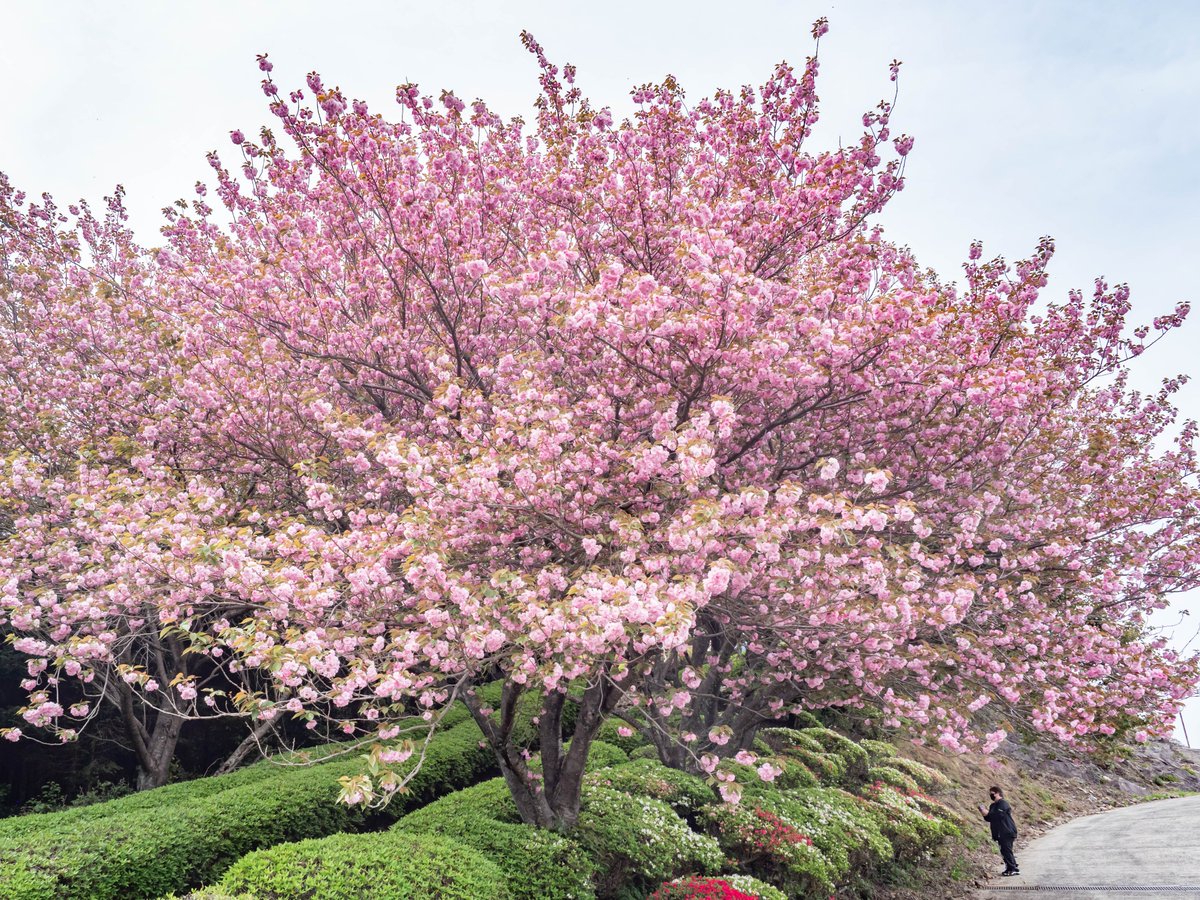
[1004, 829]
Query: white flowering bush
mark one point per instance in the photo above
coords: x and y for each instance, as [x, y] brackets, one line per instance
[878, 751]
[748, 884]
[926, 776]
[637, 840]
[766, 844]
[893, 777]
[650, 778]
[848, 834]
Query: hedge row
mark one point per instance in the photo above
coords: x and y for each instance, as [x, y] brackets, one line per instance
[535, 864]
[185, 835]
[385, 867]
[626, 837]
[190, 791]
[641, 825]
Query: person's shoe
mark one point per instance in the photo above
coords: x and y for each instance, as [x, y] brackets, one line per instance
[1008, 872]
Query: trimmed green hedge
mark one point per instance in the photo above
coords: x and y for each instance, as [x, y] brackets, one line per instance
[382, 867]
[610, 733]
[638, 842]
[142, 851]
[650, 778]
[198, 789]
[930, 779]
[181, 792]
[535, 864]
[894, 777]
[602, 754]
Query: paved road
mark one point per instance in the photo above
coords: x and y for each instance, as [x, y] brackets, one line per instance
[1148, 850]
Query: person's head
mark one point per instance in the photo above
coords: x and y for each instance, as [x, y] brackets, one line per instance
[995, 793]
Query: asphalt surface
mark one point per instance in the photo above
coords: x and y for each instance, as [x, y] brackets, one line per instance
[1147, 850]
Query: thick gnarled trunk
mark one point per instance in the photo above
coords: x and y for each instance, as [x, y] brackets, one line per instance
[553, 801]
[154, 747]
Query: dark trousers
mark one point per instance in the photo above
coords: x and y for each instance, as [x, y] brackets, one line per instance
[1010, 861]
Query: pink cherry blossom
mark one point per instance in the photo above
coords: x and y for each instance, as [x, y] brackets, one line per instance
[647, 414]
[769, 771]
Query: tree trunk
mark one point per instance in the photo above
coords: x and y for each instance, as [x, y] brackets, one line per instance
[154, 764]
[153, 734]
[251, 742]
[553, 802]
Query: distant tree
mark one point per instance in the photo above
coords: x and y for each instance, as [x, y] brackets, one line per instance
[641, 416]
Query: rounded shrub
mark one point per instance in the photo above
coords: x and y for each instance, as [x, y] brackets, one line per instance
[855, 757]
[767, 845]
[490, 798]
[848, 834]
[650, 778]
[894, 777]
[782, 738]
[637, 842]
[877, 750]
[806, 719]
[927, 777]
[938, 810]
[383, 867]
[535, 863]
[613, 731]
[602, 754]
[910, 829]
[795, 774]
[828, 768]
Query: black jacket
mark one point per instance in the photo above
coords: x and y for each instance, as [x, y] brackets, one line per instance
[999, 814]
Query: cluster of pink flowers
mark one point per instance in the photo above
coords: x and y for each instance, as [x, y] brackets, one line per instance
[648, 405]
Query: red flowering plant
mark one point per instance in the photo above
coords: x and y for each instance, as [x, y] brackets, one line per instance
[770, 846]
[699, 889]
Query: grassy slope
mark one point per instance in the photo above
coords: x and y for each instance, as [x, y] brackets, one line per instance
[1046, 787]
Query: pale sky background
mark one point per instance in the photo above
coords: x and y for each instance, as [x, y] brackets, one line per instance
[1077, 120]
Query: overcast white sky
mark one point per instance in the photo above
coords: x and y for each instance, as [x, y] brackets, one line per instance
[1077, 120]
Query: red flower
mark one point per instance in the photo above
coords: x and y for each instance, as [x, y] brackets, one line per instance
[695, 888]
